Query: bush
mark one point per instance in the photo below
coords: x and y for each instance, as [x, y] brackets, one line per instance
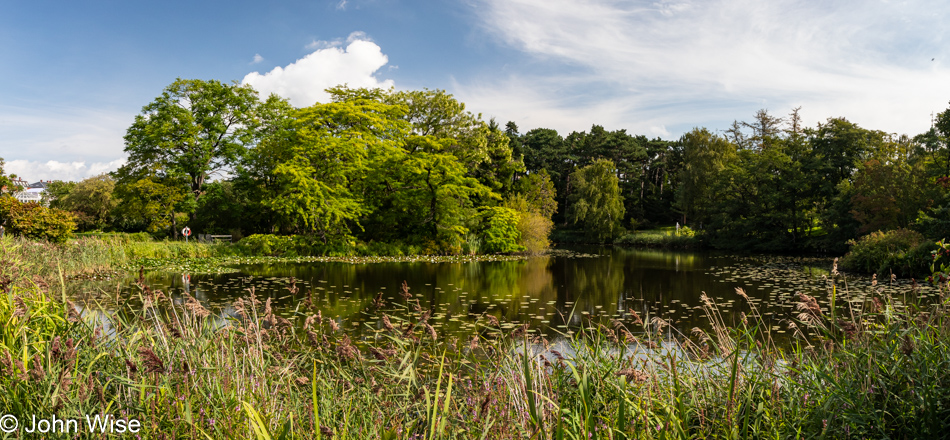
[900, 251]
[534, 226]
[268, 245]
[500, 233]
[35, 221]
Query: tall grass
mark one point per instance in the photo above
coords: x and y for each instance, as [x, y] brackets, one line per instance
[871, 370]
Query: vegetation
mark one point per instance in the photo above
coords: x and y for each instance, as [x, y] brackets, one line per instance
[415, 170]
[36, 221]
[902, 252]
[870, 368]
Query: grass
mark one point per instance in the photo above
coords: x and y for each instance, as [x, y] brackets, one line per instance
[867, 370]
[665, 237]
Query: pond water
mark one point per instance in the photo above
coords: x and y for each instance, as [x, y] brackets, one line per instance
[553, 294]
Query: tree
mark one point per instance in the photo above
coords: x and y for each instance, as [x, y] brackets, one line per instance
[890, 189]
[705, 156]
[151, 202]
[90, 200]
[5, 181]
[500, 230]
[424, 193]
[538, 192]
[483, 149]
[195, 128]
[330, 150]
[595, 202]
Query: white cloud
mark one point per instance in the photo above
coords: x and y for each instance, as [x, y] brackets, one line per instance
[257, 58]
[304, 81]
[676, 64]
[33, 171]
[62, 135]
[341, 5]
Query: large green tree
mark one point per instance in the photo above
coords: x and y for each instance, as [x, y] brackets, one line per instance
[705, 156]
[595, 202]
[320, 170]
[482, 148]
[194, 128]
[91, 200]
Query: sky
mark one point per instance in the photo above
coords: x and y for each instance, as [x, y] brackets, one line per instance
[73, 75]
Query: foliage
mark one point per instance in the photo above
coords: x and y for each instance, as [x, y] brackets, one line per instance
[595, 200]
[705, 156]
[666, 238]
[91, 201]
[329, 154]
[5, 181]
[36, 221]
[900, 251]
[534, 228]
[153, 203]
[195, 129]
[500, 231]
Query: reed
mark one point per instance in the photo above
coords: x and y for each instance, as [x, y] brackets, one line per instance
[872, 370]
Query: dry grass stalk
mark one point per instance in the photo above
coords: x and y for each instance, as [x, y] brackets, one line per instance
[404, 291]
[388, 324]
[195, 307]
[431, 330]
[810, 310]
[20, 308]
[633, 375]
[151, 361]
[345, 349]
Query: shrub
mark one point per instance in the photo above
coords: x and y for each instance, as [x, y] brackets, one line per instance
[500, 233]
[35, 221]
[534, 226]
[267, 244]
[900, 251]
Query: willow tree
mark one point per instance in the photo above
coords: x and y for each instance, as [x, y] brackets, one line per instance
[595, 202]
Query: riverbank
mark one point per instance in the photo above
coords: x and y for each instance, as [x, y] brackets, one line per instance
[123, 253]
[874, 371]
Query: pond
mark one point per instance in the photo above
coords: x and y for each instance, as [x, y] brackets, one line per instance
[553, 294]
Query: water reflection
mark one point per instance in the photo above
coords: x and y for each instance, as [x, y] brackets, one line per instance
[551, 293]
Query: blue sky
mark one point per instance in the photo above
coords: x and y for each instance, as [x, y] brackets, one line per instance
[74, 74]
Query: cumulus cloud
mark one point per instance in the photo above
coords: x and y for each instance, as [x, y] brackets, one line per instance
[665, 66]
[257, 58]
[331, 64]
[33, 171]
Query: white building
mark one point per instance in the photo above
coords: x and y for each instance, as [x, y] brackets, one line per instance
[30, 195]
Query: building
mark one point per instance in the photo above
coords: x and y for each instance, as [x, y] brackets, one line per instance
[17, 182]
[30, 195]
[32, 192]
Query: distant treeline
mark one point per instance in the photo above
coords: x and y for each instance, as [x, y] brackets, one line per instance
[416, 168]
